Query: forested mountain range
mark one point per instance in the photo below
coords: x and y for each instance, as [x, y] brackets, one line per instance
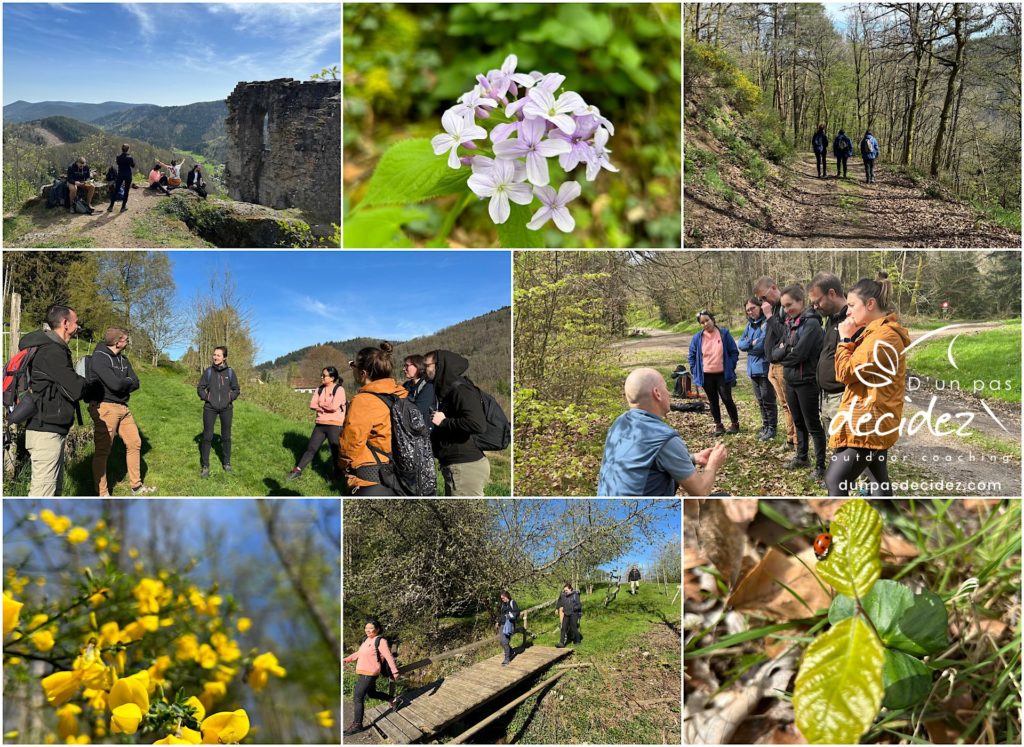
[26, 111]
[198, 127]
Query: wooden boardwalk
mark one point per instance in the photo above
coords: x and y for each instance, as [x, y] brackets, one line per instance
[427, 710]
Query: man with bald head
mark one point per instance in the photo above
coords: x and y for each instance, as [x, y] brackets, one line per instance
[644, 455]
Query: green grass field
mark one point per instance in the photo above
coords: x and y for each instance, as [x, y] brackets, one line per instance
[265, 446]
[633, 646]
[984, 359]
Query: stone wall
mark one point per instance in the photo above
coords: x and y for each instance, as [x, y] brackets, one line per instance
[284, 145]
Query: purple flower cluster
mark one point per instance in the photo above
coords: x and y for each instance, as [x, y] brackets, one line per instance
[531, 121]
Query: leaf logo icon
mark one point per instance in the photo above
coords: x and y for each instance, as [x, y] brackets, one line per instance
[885, 365]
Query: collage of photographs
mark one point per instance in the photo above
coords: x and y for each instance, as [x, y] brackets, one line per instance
[504, 373]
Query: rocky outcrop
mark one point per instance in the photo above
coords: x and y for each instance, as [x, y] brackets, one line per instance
[240, 225]
[284, 145]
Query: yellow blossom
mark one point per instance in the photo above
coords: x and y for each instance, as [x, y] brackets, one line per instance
[99, 597]
[151, 623]
[125, 719]
[206, 657]
[243, 624]
[186, 647]
[200, 713]
[99, 728]
[133, 552]
[212, 692]
[11, 611]
[78, 535]
[325, 719]
[60, 687]
[67, 720]
[225, 727]
[101, 543]
[263, 666]
[94, 673]
[58, 524]
[110, 633]
[134, 689]
[227, 649]
[100, 524]
[42, 640]
[83, 739]
[97, 699]
[41, 581]
[151, 594]
[225, 673]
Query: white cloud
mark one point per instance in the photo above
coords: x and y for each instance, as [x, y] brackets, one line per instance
[144, 16]
[314, 306]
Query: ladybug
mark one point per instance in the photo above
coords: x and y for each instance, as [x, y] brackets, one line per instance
[822, 544]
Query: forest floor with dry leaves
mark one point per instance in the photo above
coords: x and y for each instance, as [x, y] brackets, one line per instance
[799, 209]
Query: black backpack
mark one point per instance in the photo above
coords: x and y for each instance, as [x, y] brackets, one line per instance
[845, 144]
[498, 434]
[385, 668]
[411, 469]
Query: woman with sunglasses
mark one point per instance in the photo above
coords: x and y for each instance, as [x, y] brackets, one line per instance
[328, 402]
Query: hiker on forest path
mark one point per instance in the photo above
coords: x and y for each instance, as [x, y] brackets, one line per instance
[842, 148]
[820, 145]
[372, 652]
[869, 152]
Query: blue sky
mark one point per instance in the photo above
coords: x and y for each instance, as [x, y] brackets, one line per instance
[304, 298]
[162, 53]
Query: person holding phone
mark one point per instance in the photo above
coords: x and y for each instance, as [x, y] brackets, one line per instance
[826, 296]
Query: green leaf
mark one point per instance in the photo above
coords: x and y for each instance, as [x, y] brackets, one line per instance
[839, 685]
[380, 228]
[915, 624]
[513, 233]
[854, 563]
[907, 680]
[410, 172]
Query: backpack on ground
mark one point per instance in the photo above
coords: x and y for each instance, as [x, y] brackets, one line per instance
[201, 191]
[411, 469]
[385, 668]
[58, 194]
[80, 206]
[19, 406]
[498, 434]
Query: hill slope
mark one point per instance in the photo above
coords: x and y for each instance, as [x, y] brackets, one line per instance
[198, 127]
[52, 131]
[265, 445]
[25, 111]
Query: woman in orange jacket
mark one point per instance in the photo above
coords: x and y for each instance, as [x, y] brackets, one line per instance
[870, 361]
[366, 437]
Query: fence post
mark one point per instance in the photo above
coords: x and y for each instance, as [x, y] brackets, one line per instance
[11, 450]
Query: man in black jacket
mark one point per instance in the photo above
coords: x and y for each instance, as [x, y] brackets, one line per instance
[56, 390]
[570, 610]
[775, 330]
[80, 178]
[634, 580]
[115, 381]
[218, 389]
[826, 294]
[458, 416]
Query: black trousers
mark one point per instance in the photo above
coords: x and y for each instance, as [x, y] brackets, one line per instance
[209, 419]
[372, 490]
[764, 393]
[330, 433]
[505, 645]
[869, 168]
[847, 465]
[821, 162]
[803, 406]
[570, 629]
[366, 687]
[715, 387]
[127, 182]
[841, 161]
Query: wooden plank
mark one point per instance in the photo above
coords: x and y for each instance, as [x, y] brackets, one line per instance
[427, 716]
[497, 714]
[397, 729]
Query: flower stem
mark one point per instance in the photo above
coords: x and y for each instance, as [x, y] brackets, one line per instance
[441, 240]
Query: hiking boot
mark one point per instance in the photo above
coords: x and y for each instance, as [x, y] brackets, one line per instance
[295, 474]
[227, 467]
[719, 429]
[141, 489]
[768, 435]
[733, 428]
[110, 209]
[819, 474]
[353, 728]
[123, 210]
[559, 645]
[204, 472]
[790, 446]
[796, 463]
[505, 663]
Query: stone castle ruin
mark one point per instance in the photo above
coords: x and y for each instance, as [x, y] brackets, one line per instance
[284, 145]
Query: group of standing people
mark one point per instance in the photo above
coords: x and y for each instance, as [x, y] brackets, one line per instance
[842, 149]
[813, 353]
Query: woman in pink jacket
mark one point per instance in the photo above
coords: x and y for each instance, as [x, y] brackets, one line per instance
[372, 652]
[328, 402]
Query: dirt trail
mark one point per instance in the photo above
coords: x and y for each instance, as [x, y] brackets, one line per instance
[56, 226]
[890, 212]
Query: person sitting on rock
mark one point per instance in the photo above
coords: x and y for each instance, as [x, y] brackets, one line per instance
[80, 177]
[195, 181]
[157, 180]
[174, 176]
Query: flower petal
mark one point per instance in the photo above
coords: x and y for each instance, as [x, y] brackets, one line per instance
[503, 131]
[451, 121]
[553, 147]
[482, 184]
[472, 131]
[441, 143]
[536, 168]
[568, 192]
[509, 65]
[563, 219]
[563, 122]
[498, 208]
[510, 149]
[539, 218]
[520, 193]
[545, 194]
[572, 102]
[453, 157]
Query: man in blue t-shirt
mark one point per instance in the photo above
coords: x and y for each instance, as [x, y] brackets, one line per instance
[644, 455]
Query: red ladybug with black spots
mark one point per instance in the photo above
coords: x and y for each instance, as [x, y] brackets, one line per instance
[822, 544]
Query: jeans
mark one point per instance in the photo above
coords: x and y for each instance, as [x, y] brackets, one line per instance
[847, 465]
[841, 161]
[321, 432]
[764, 393]
[715, 387]
[366, 687]
[821, 160]
[570, 629]
[127, 182]
[209, 419]
[803, 404]
[869, 168]
[505, 646]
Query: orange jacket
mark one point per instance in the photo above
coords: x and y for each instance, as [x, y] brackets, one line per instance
[874, 370]
[368, 422]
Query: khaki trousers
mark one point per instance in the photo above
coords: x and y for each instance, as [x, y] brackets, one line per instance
[47, 453]
[777, 377]
[110, 420]
[466, 479]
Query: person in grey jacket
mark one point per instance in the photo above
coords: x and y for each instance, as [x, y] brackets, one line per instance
[218, 388]
[111, 382]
